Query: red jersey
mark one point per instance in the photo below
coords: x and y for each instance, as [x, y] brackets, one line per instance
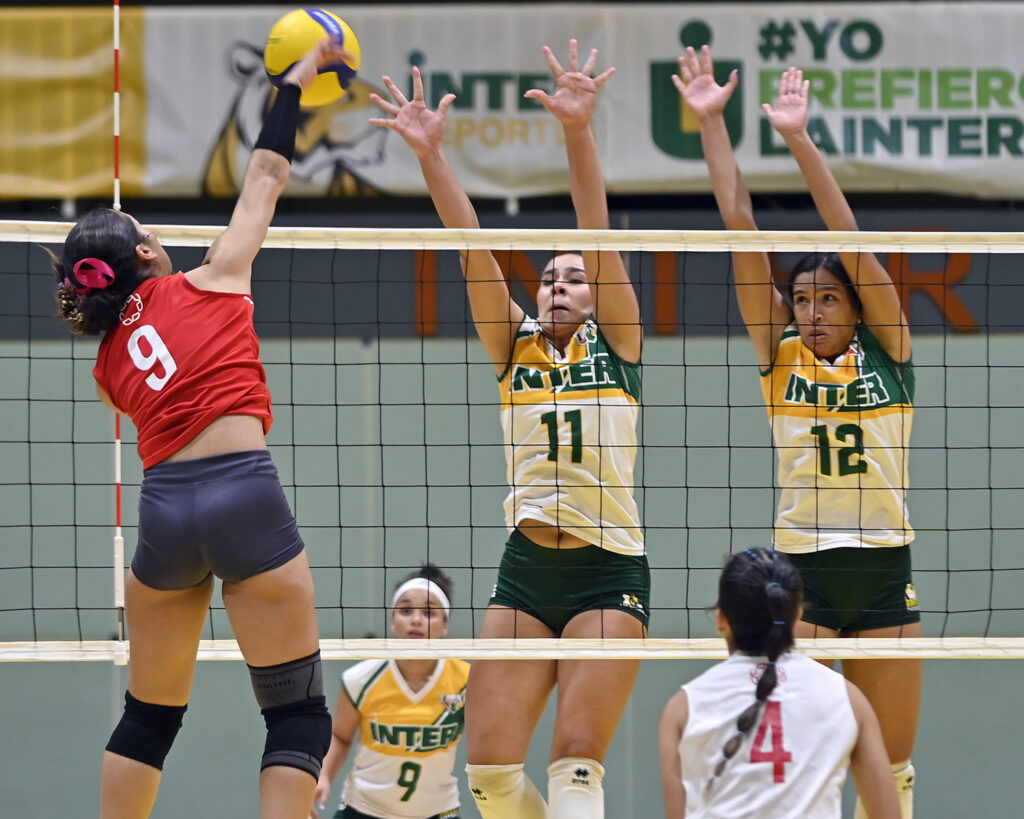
[178, 359]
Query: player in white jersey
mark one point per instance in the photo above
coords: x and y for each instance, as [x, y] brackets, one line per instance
[811, 724]
[403, 717]
[838, 380]
[574, 564]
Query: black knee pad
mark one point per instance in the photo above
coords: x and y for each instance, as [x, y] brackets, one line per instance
[146, 731]
[291, 696]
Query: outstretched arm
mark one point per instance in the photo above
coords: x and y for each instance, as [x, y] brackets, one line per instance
[764, 310]
[879, 297]
[496, 316]
[615, 303]
[228, 263]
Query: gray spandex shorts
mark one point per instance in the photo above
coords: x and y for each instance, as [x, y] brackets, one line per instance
[227, 515]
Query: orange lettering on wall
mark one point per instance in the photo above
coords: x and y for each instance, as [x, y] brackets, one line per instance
[514, 264]
[517, 267]
[938, 286]
[666, 294]
[426, 292]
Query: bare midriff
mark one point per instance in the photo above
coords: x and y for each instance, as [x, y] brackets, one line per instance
[548, 536]
[229, 433]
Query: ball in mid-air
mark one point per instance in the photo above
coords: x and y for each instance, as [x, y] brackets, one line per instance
[294, 35]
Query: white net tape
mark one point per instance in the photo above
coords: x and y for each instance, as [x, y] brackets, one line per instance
[649, 240]
[972, 648]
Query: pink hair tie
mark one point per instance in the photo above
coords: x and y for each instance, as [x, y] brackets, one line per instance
[92, 274]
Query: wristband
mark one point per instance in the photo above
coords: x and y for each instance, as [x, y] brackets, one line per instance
[278, 132]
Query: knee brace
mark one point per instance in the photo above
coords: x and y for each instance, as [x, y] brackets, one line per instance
[575, 788]
[903, 772]
[291, 699]
[146, 731]
[505, 792]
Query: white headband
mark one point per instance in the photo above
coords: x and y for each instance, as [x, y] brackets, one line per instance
[427, 585]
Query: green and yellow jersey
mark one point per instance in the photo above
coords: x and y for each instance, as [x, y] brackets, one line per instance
[570, 437]
[842, 433]
[405, 749]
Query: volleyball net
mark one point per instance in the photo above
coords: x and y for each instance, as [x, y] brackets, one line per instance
[388, 441]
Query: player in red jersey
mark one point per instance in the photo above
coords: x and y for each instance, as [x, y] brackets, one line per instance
[180, 356]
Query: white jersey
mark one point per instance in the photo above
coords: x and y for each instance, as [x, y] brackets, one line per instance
[842, 433]
[405, 746]
[791, 765]
[570, 437]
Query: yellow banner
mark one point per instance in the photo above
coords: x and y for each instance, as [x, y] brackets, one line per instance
[57, 102]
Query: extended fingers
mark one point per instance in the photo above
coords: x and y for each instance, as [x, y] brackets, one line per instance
[387, 107]
[685, 74]
[792, 81]
[574, 56]
[604, 76]
[690, 65]
[444, 104]
[553, 64]
[330, 52]
[707, 65]
[395, 92]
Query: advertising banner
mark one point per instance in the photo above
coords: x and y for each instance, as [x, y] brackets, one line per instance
[923, 97]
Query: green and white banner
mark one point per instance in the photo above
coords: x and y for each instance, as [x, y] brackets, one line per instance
[904, 96]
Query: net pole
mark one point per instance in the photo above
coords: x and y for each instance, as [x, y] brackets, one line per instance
[121, 648]
[117, 104]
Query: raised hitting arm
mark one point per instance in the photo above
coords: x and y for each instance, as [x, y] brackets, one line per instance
[615, 303]
[764, 311]
[228, 263]
[882, 310]
[495, 314]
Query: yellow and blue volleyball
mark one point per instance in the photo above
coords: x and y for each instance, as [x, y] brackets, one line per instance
[294, 35]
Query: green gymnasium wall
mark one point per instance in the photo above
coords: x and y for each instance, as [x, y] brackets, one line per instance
[56, 717]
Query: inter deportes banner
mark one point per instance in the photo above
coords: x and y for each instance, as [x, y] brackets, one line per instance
[904, 96]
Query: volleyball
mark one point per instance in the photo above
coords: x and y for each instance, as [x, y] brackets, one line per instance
[294, 35]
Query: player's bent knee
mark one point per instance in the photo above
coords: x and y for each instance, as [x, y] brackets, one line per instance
[291, 699]
[146, 731]
[575, 789]
[504, 791]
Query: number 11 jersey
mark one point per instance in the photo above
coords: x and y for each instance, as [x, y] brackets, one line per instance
[570, 437]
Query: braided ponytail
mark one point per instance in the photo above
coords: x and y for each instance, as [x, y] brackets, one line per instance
[759, 596]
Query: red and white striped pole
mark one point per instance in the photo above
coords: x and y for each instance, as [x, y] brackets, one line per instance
[117, 104]
[121, 651]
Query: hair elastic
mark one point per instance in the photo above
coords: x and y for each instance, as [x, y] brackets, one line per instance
[427, 585]
[778, 622]
[772, 585]
[92, 274]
